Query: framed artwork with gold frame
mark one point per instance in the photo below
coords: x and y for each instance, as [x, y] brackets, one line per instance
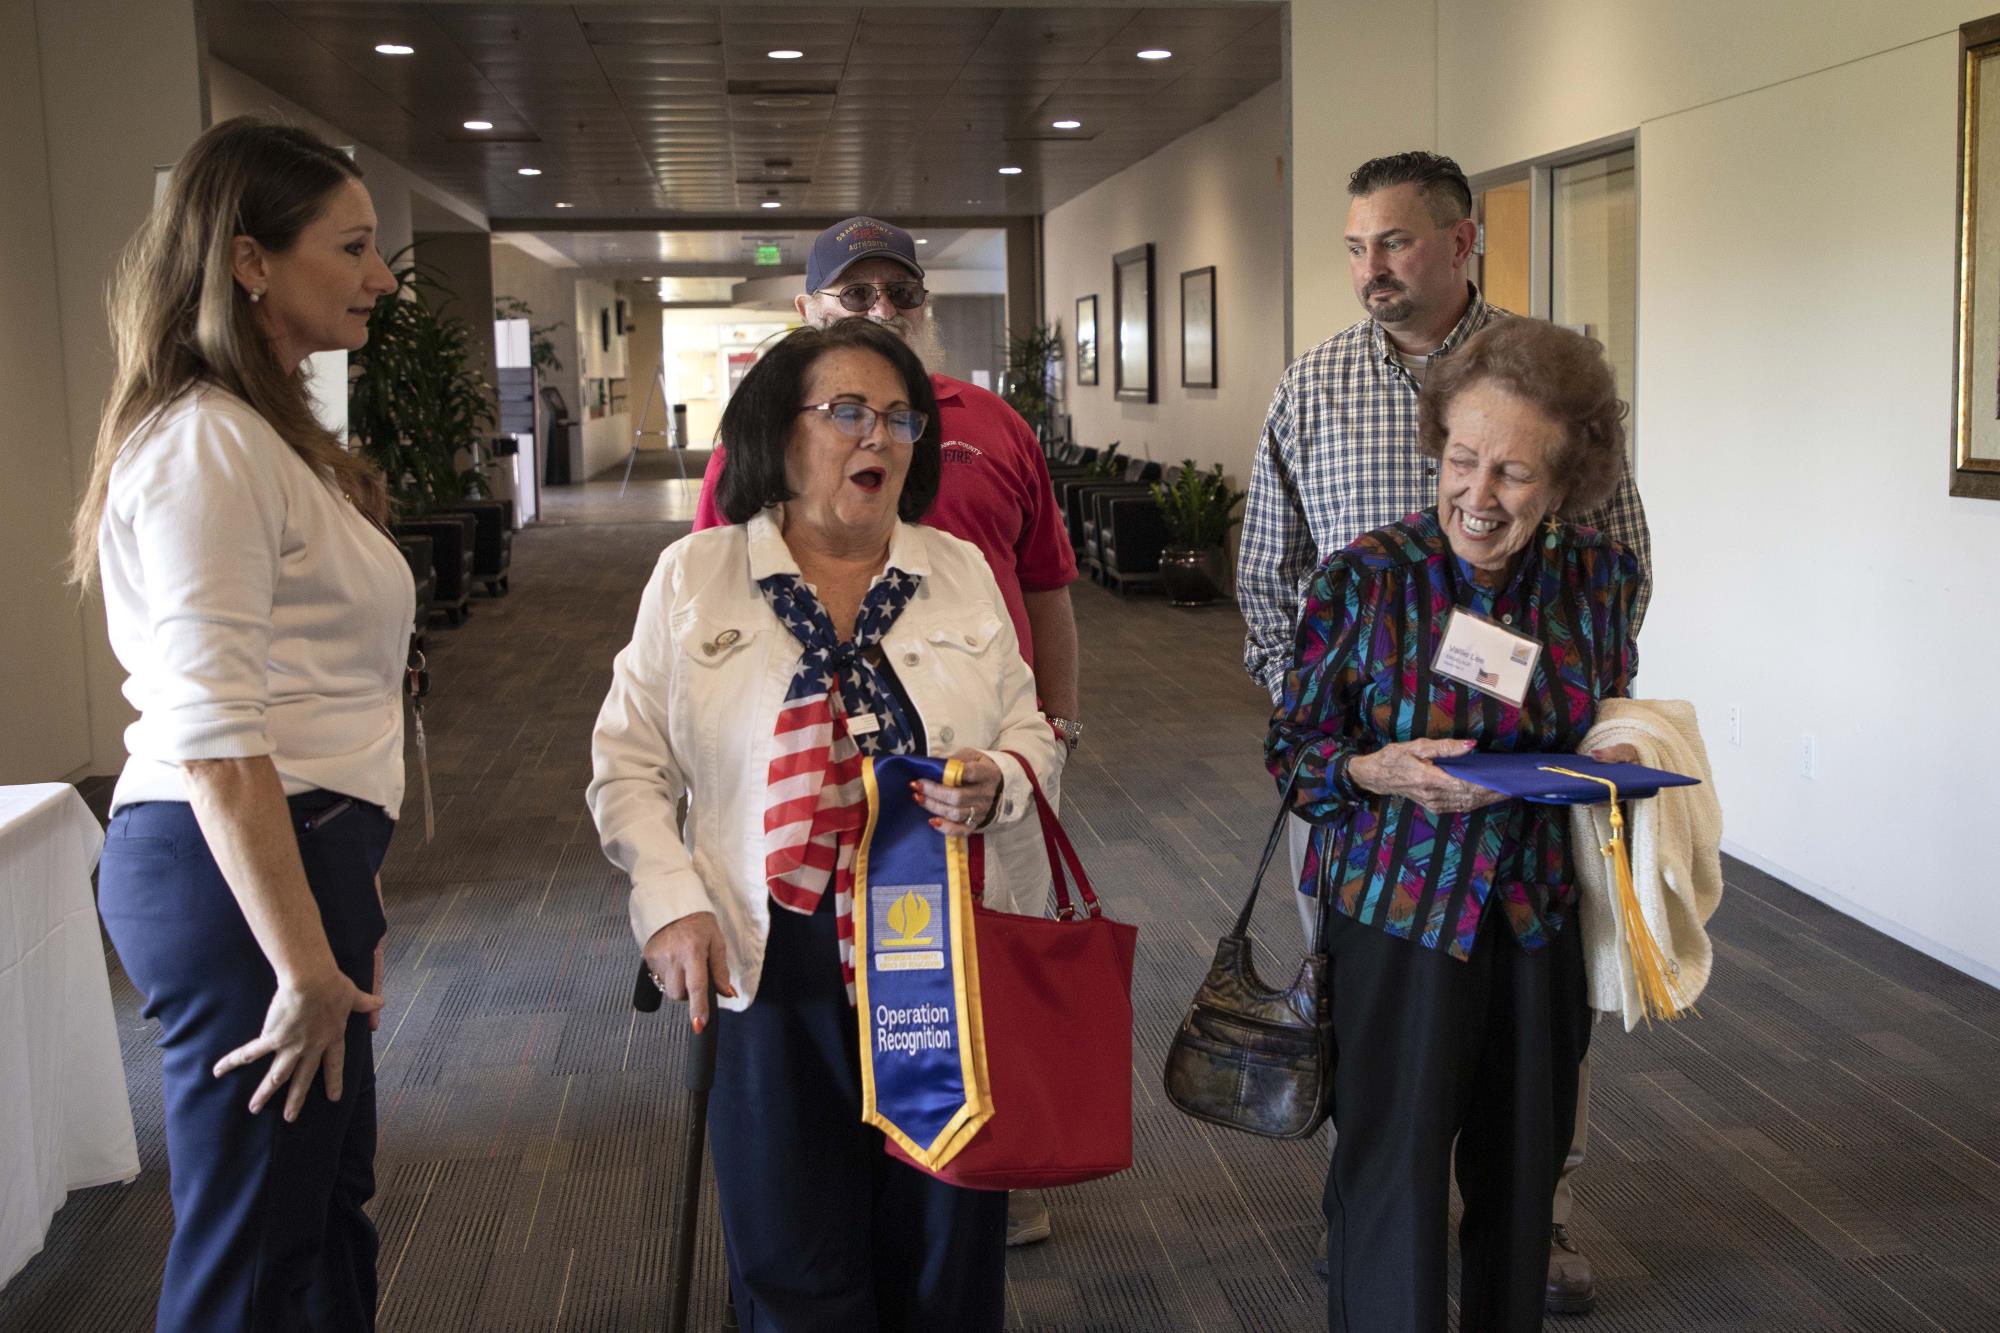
[1975, 442]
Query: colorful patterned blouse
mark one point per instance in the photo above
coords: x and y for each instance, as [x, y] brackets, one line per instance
[1361, 678]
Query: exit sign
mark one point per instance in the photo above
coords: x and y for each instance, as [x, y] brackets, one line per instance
[769, 255]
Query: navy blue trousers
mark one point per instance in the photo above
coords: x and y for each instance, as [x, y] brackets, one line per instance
[269, 1232]
[826, 1233]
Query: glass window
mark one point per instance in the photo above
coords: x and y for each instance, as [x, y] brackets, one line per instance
[1594, 259]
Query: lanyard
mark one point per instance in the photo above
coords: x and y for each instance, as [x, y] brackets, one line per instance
[417, 683]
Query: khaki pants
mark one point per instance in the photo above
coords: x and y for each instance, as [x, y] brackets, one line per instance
[1299, 835]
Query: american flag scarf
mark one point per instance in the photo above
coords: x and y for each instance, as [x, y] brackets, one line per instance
[815, 807]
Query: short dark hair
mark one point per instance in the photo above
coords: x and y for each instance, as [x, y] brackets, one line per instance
[757, 424]
[1438, 178]
[1562, 373]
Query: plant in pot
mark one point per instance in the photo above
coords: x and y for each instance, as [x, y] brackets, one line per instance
[541, 348]
[1198, 509]
[1030, 375]
[1109, 465]
[417, 403]
[417, 400]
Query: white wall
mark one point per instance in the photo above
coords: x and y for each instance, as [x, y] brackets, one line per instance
[1796, 241]
[44, 718]
[1214, 196]
[121, 93]
[1364, 83]
[606, 439]
[396, 190]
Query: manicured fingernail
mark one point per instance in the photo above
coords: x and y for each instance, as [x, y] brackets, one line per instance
[937, 823]
[700, 1023]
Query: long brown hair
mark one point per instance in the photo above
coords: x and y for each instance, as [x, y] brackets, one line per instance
[179, 319]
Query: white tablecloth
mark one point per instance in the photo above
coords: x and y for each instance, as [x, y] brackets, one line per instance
[65, 1120]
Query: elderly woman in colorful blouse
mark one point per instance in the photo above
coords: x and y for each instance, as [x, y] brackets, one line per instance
[768, 657]
[1456, 967]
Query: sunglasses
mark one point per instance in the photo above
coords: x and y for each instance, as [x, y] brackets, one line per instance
[857, 420]
[859, 296]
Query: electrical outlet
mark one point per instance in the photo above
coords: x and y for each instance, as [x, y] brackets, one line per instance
[1808, 758]
[1736, 724]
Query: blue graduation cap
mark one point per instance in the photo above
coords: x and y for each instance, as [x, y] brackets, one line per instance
[1528, 777]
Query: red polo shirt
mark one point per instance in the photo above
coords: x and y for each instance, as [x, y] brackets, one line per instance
[994, 492]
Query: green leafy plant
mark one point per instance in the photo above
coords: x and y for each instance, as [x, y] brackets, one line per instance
[541, 348]
[1031, 360]
[416, 401]
[1107, 466]
[1199, 508]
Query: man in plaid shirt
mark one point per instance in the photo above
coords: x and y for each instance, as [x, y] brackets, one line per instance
[1339, 458]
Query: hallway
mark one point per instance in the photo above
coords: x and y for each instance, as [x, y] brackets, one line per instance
[1820, 1150]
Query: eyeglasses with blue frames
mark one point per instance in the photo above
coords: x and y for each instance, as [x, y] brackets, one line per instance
[857, 420]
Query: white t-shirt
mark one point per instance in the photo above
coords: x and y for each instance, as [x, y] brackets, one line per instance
[253, 608]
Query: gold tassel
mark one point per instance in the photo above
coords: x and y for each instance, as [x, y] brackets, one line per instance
[1658, 979]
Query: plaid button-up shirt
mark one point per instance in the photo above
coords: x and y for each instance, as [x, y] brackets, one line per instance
[1339, 459]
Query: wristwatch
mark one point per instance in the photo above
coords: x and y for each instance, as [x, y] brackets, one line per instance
[1070, 732]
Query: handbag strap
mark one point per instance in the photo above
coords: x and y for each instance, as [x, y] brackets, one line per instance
[1057, 844]
[1242, 926]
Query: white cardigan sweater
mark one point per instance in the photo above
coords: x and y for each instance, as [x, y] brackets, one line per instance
[254, 610]
[691, 709]
[1676, 853]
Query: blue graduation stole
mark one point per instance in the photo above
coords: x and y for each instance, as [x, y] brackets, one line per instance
[916, 974]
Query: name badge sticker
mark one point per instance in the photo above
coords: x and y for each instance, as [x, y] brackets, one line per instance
[1490, 658]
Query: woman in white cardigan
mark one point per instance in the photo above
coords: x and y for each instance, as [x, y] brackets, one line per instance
[823, 589]
[262, 616]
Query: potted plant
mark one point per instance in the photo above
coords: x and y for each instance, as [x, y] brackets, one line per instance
[416, 402]
[541, 348]
[1030, 375]
[1199, 509]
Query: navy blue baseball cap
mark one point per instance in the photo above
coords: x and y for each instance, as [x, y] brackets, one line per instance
[846, 244]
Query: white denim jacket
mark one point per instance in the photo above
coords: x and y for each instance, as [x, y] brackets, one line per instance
[695, 694]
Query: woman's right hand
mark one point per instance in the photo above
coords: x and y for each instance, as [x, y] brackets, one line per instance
[684, 956]
[1406, 769]
[305, 1030]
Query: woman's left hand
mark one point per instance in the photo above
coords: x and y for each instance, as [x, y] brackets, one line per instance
[968, 807]
[1616, 754]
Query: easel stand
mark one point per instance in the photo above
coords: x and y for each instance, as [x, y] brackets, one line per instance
[656, 391]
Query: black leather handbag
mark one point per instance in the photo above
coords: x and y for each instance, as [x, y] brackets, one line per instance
[1249, 1056]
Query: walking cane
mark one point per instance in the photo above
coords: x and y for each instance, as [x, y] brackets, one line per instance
[698, 1077]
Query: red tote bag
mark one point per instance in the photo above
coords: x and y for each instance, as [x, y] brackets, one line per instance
[1056, 996]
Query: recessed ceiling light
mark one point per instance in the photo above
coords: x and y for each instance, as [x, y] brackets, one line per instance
[1010, 171]
[923, 240]
[1155, 53]
[394, 49]
[784, 54]
[1069, 124]
[531, 171]
[770, 203]
[561, 204]
[479, 124]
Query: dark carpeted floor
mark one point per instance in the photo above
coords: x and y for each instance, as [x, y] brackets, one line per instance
[1820, 1150]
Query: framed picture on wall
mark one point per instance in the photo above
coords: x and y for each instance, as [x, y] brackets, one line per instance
[1086, 339]
[1132, 324]
[1975, 444]
[1198, 328]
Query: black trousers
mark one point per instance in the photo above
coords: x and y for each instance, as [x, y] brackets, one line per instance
[269, 1232]
[826, 1233]
[1433, 1051]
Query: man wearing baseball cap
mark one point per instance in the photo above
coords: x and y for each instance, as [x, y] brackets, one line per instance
[995, 493]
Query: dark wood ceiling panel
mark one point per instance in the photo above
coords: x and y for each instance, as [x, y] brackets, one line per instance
[663, 110]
